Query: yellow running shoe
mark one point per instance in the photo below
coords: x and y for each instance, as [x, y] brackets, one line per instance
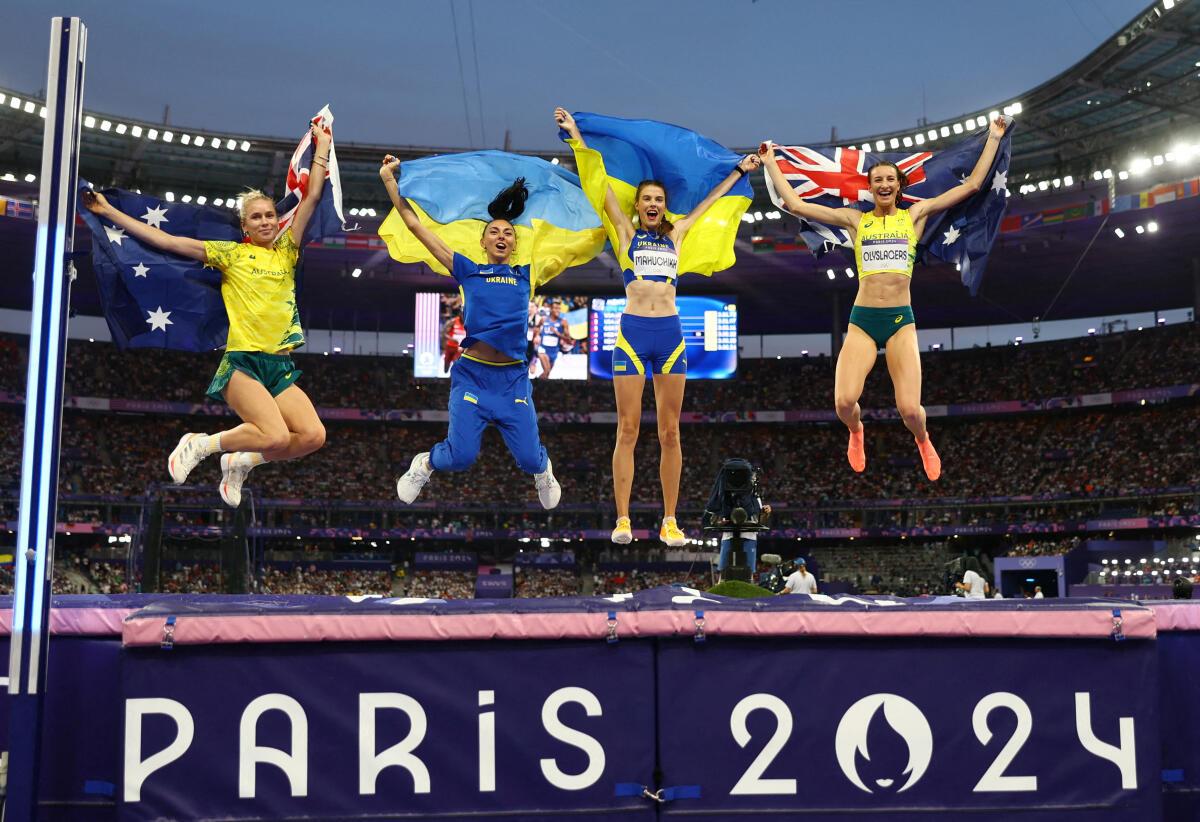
[623, 533]
[670, 533]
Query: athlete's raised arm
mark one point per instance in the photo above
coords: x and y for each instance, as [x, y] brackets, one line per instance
[440, 251]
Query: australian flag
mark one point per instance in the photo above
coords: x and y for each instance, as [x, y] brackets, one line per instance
[152, 299]
[962, 235]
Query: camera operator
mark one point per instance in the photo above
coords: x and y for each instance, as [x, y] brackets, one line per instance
[973, 585]
[800, 582]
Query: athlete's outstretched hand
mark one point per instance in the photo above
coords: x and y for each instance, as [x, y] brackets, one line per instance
[566, 122]
[997, 127]
[766, 152]
[389, 167]
[95, 202]
[749, 163]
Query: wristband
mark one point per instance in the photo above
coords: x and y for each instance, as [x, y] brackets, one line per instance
[741, 171]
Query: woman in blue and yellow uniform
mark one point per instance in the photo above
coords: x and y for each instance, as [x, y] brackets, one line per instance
[551, 332]
[885, 243]
[650, 339]
[489, 383]
[256, 377]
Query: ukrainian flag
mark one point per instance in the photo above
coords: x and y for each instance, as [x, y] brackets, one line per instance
[450, 194]
[622, 153]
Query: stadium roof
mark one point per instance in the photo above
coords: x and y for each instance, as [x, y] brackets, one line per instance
[1131, 107]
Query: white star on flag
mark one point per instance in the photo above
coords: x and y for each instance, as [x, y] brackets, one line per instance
[140, 270]
[115, 235]
[952, 235]
[155, 216]
[158, 319]
[1000, 181]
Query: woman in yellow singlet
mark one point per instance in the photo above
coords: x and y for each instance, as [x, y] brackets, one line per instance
[885, 242]
[256, 377]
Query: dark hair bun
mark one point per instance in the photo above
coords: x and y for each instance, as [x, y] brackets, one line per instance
[509, 204]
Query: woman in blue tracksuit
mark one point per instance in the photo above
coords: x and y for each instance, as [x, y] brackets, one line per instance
[489, 384]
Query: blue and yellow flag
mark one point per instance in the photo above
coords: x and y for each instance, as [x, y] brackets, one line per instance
[450, 194]
[622, 153]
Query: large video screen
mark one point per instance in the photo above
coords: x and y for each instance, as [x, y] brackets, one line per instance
[710, 332]
[556, 335]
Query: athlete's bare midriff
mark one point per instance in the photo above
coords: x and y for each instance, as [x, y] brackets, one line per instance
[648, 298]
[483, 351]
[886, 289]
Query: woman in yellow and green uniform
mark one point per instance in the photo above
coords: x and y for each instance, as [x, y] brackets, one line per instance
[256, 376]
[885, 242]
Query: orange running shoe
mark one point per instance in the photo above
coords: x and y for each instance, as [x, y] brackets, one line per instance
[857, 452]
[929, 458]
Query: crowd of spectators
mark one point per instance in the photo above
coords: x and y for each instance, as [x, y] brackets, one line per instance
[608, 583]
[1081, 453]
[912, 569]
[545, 582]
[1043, 547]
[441, 584]
[310, 579]
[1133, 359]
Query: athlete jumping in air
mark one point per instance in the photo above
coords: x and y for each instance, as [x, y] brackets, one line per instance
[489, 383]
[256, 376]
[885, 242]
[650, 340]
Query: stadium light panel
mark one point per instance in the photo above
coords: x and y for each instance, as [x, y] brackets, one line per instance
[3, 99]
[15, 102]
[1168, 4]
[152, 134]
[231, 144]
[8, 177]
[354, 212]
[1139, 229]
[981, 121]
[1123, 175]
[185, 139]
[919, 139]
[894, 143]
[1152, 226]
[105, 125]
[992, 115]
[122, 128]
[1068, 180]
[199, 141]
[1097, 175]
[201, 200]
[944, 131]
[1108, 173]
[1043, 185]
[830, 274]
[1016, 108]
[907, 141]
[187, 198]
[30, 106]
[850, 273]
[1139, 165]
[1056, 182]
[746, 218]
[220, 201]
[136, 131]
[932, 134]
[170, 196]
[880, 145]
[773, 215]
[29, 178]
[553, 161]
[958, 129]
[356, 273]
[758, 215]
[1158, 160]
[168, 136]
[1120, 234]
[245, 145]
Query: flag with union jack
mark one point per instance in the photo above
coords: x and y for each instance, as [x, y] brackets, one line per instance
[154, 299]
[962, 235]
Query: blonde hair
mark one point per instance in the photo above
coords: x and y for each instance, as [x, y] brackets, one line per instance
[248, 197]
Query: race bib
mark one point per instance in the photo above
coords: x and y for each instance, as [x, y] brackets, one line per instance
[650, 263]
[884, 254]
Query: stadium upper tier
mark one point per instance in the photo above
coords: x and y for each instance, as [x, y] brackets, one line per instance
[1134, 97]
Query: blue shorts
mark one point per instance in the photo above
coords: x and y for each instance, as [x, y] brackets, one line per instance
[649, 345]
[483, 394]
[551, 351]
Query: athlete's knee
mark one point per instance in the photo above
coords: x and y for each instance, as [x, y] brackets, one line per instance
[275, 438]
[627, 431]
[459, 458]
[311, 439]
[844, 403]
[668, 435]
[910, 412]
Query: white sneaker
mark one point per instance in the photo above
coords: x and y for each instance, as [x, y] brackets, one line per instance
[549, 491]
[185, 457]
[409, 486]
[234, 471]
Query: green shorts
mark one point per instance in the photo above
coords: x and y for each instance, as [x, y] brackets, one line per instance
[881, 323]
[275, 371]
